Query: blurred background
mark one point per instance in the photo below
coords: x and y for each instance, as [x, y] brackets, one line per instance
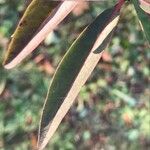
[112, 111]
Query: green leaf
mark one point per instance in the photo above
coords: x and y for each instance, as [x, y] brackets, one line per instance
[34, 26]
[73, 71]
[144, 19]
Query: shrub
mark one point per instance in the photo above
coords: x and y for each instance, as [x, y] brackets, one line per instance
[78, 62]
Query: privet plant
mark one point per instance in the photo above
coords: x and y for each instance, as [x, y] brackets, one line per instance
[40, 18]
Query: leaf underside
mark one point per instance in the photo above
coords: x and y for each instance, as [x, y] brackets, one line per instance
[74, 70]
[145, 5]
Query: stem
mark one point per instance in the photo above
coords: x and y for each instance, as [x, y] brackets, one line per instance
[119, 4]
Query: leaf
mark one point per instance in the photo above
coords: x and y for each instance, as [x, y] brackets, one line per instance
[73, 71]
[31, 30]
[28, 25]
[145, 5]
[144, 19]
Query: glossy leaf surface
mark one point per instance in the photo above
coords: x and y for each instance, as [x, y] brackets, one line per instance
[39, 19]
[73, 71]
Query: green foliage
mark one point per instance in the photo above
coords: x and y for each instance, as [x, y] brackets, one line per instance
[73, 71]
[144, 19]
[112, 111]
[28, 26]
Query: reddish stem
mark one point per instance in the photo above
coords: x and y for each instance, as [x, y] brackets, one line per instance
[119, 4]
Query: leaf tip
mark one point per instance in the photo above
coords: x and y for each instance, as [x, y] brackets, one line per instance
[8, 65]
